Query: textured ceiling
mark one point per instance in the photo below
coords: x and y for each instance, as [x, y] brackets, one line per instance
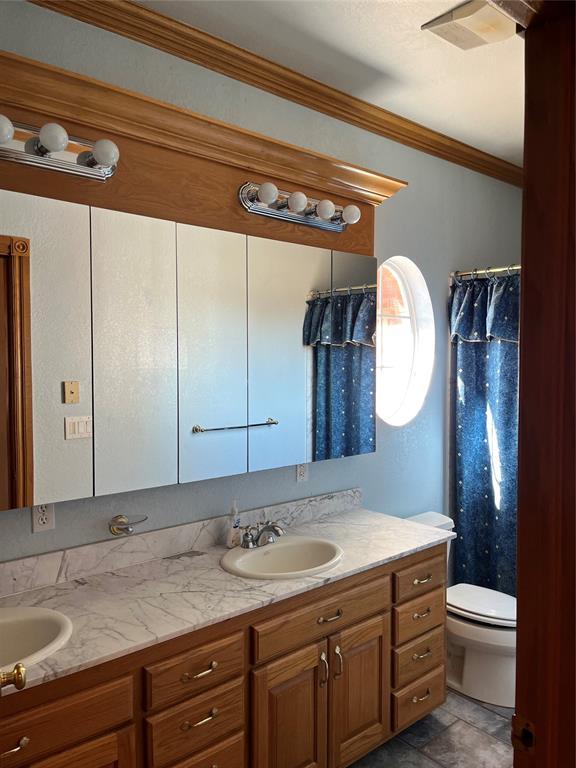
[374, 49]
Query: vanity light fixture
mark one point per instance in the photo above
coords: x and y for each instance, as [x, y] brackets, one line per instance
[51, 148]
[267, 200]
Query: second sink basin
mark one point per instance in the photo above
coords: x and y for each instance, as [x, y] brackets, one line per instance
[29, 635]
[289, 557]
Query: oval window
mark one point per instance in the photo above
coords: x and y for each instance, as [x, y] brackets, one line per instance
[404, 341]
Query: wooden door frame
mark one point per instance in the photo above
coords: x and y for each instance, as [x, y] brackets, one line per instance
[17, 251]
[543, 729]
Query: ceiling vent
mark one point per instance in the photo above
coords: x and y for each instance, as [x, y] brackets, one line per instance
[473, 24]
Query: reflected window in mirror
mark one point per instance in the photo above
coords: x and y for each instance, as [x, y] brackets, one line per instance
[405, 341]
[340, 328]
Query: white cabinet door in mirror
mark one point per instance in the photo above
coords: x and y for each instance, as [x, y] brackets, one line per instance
[59, 236]
[280, 279]
[212, 352]
[135, 352]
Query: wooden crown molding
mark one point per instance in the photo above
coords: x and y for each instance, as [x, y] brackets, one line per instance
[129, 19]
[47, 90]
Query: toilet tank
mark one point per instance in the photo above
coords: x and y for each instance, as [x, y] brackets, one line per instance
[435, 520]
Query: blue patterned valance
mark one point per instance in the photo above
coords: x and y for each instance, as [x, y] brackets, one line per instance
[483, 310]
[341, 319]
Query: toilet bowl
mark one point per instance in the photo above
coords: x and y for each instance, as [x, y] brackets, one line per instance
[481, 632]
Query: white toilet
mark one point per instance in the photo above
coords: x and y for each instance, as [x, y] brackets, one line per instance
[481, 626]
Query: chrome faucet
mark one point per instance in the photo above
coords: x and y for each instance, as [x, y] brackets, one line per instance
[260, 534]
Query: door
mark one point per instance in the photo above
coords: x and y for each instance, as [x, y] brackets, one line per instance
[280, 279]
[135, 352]
[115, 750]
[212, 353]
[60, 337]
[359, 689]
[290, 708]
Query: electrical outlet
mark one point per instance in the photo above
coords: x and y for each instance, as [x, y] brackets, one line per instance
[43, 518]
[301, 473]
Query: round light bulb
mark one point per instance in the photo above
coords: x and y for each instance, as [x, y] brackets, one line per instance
[105, 152]
[53, 137]
[268, 193]
[297, 202]
[325, 209]
[6, 130]
[351, 214]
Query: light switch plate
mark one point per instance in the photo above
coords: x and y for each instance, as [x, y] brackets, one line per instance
[71, 392]
[77, 427]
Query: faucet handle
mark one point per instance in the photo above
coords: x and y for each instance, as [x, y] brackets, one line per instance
[248, 539]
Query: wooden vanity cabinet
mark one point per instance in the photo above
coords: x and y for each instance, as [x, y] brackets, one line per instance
[115, 750]
[314, 681]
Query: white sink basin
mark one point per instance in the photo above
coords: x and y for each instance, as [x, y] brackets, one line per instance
[289, 557]
[29, 635]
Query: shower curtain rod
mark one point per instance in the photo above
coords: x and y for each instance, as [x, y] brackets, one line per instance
[487, 271]
[328, 291]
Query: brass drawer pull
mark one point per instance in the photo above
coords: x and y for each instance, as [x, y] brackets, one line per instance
[418, 699]
[24, 741]
[186, 677]
[324, 660]
[417, 582]
[17, 677]
[420, 656]
[422, 615]
[340, 671]
[338, 615]
[187, 725]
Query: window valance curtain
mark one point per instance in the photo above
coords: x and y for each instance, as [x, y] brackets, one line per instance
[341, 319]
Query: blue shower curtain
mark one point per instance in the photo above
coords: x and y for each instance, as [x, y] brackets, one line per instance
[484, 322]
[341, 330]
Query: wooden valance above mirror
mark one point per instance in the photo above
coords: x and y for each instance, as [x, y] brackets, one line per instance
[179, 165]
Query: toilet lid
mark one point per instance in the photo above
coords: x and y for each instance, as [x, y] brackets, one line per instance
[481, 604]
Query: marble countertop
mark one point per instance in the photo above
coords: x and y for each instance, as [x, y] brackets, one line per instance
[122, 611]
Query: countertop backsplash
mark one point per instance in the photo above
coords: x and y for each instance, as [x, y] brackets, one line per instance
[68, 564]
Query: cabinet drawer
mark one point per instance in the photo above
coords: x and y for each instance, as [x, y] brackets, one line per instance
[417, 699]
[226, 754]
[59, 724]
[320, 618]
[419, 616]
[193, 725]
[420, 578]
[195, 671]
[418, 657]
[115, 750]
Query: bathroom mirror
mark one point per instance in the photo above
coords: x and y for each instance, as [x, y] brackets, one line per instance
[195, 353]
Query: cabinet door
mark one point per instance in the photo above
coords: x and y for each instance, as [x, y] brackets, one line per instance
[115, 750]
[212, 352]
[289, 718]
[135, 352]
[359, 689]
[61, 345]
[280, 279]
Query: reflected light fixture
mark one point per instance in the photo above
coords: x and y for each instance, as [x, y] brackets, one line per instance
[50, 148]
[267, 200]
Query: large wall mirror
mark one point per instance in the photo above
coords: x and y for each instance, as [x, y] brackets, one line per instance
[163, 353]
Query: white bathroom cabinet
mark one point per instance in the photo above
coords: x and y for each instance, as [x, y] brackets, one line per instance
[135, 352]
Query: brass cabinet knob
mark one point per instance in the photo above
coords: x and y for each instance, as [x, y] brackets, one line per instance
[17, 677]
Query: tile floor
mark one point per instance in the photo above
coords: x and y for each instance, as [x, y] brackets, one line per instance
[462, 733]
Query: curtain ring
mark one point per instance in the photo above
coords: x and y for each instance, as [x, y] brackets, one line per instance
[349, 291]
[508, 273]
[364, 289]
[487, 273]
[474, 274]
